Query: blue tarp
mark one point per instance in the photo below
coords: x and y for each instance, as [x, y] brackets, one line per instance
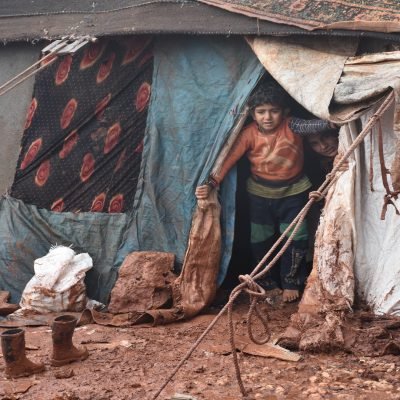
[200, 84]
[27, 233]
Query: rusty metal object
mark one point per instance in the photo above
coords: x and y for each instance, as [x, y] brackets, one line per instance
[64, 351]
[13, 348]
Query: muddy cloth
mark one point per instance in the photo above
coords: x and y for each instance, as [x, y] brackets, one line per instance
[84, 130]
[144, 282]
[196, 286]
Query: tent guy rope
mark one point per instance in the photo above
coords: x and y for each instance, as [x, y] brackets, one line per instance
[248, 283]
[59, 47]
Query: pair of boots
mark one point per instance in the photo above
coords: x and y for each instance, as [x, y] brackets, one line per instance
[64, 352]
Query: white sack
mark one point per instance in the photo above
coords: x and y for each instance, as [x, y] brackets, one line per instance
[58, 284]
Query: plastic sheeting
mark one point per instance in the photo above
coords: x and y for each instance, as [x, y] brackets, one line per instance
[199, 86]
[27, 233]
[377, 267]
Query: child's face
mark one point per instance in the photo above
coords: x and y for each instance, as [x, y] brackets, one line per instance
[326, 145]
[268, 117]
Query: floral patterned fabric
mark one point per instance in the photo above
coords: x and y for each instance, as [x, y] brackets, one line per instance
[83, 139]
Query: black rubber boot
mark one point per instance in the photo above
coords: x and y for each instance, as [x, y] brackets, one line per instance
[13, 347]
[64, 352]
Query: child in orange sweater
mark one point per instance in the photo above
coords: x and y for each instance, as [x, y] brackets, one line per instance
[277, 187]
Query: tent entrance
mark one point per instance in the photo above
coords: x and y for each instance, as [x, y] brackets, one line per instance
[242, 261]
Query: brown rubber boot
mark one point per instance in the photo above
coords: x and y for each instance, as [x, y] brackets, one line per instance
[13, 347]
[64, 351]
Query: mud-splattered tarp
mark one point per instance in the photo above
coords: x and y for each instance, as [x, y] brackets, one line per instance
[27, 233]
[199, 87]
[354, 247]
[368, 15]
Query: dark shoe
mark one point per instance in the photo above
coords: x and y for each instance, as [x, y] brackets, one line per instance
[64, 352]
[13, 347]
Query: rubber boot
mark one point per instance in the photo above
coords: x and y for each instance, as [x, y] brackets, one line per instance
[64, 351]
[13, 347]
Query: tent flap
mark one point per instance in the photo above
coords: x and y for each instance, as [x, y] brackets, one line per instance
[199, 87]
[307, 68]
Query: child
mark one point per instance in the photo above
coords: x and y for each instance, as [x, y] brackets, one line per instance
[277, 186]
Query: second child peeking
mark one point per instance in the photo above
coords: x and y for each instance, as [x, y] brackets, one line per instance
[277, 188]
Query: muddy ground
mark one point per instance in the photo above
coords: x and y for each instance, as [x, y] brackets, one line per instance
[132, 363]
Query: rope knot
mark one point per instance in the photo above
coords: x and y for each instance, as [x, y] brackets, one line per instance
[315, 195]
[252, 287]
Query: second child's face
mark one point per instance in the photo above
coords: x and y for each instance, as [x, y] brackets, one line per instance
[325, 145]
[268, 117]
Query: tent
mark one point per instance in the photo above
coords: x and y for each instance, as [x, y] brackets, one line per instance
[199, 85]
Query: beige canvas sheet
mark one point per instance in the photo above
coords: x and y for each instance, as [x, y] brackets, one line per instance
[328, 80]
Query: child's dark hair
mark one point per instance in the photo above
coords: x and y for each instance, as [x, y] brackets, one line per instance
[268, 92]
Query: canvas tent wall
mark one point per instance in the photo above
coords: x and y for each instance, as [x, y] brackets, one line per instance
[176, 159]
[125, 228]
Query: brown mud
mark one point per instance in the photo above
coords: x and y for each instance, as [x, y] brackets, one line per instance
[132, 363]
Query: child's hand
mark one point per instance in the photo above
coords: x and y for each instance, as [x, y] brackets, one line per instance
[202, 192]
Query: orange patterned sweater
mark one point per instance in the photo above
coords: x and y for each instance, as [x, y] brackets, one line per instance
[274, 157]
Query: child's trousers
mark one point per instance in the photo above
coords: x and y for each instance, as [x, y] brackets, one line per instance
[269, 217]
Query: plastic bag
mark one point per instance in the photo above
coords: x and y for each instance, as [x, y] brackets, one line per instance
[58, 284]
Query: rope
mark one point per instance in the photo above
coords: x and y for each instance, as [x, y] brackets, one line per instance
[28, 72]
[248, 281]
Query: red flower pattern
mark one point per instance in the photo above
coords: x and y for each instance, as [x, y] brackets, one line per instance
[31, 112]
[68, 113]
[63, 70]
[92, 54]
[112, 137]
[98, 203]
[116, 204]
[43, 173]
[87, 167]
[31, 153]
[101, 106]
[135, 47]
[108, 138]
[58, 206]
[105, 69]
[120, 161]
[142, 96]
[69, 143]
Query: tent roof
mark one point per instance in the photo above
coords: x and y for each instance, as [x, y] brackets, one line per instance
[368, 15]
[43, 19]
